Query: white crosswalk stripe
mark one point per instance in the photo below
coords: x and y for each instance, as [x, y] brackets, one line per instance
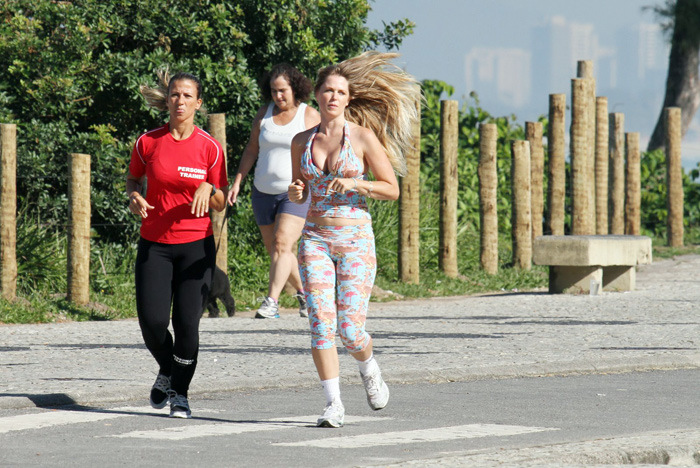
[437, 434]
[62, 417]
[219, 429]
[53, 418]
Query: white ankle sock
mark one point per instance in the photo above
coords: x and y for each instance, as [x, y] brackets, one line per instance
[331, 389]
[369, 366]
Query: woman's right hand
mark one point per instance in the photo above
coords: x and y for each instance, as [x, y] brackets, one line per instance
[296, 191]
[233, 193]
[139, 206]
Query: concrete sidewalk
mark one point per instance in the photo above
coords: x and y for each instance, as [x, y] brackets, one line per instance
[460, 338]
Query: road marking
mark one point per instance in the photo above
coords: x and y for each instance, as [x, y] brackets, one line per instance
[62, 417]
[191, 431]
[437, 434]
[52, 418]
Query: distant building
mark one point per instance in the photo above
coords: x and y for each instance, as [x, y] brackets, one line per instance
[606, 69]
[499, 75]
[636, 64]
[557, 47]
[643, 56]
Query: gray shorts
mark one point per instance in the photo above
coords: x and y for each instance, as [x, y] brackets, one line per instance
[266, 207]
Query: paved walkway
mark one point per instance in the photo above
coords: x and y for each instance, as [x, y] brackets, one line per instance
[460, 338]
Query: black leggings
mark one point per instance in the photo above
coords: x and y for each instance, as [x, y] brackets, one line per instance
[179, 275]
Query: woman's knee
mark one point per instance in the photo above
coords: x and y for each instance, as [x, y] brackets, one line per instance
[153, 330]
[354, 342]
[283, 243]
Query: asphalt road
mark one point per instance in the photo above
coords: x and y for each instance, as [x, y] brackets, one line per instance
[495, 422]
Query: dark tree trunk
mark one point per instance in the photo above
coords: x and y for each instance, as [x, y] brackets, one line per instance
[682, 83]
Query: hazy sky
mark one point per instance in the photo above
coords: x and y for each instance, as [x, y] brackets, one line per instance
[446, 30]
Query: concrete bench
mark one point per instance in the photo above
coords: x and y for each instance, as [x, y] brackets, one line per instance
[577, 263]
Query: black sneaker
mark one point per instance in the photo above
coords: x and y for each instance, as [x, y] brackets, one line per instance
[159, 392]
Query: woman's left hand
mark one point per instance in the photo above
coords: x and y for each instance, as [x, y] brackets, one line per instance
[200, 201]
[341, 185]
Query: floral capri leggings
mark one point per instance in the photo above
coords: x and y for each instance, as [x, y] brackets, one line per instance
[338, 265]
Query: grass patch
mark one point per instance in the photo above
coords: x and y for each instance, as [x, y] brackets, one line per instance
[40, 308]
[660, 252]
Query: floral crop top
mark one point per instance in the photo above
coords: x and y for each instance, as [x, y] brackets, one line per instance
[334, 205]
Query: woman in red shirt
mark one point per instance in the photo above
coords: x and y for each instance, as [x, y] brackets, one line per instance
[174, 178]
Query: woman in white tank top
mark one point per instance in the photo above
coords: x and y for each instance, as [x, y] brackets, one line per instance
[280, 220]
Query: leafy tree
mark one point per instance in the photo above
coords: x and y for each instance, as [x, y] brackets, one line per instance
[72, 71]
[680, 20]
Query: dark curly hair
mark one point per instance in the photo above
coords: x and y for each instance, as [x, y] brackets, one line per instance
[301, 85]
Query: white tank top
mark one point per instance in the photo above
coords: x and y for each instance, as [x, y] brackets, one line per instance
[273, 171]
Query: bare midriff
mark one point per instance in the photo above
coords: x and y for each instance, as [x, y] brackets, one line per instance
[327, 221]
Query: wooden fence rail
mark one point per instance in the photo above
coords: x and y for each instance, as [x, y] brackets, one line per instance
[449, 184]
[674, 177]
[581, 212]
[522, 216]
[217, 129]
[79, 228]
[616, 179]
[8, 211]
[605, 188]
[601, 165]
[633, 186]
[556, 149]
[533, 133]
[409, 212]
[488, 196]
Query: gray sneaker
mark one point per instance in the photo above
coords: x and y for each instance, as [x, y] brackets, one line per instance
[268, 309]
[160, 392]
[303, 311]
[377, 390]
[179, 406]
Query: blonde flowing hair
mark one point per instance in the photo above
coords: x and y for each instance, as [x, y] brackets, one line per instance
[383, 98]
[157, 96]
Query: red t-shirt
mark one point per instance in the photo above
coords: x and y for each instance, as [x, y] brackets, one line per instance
[174, 169]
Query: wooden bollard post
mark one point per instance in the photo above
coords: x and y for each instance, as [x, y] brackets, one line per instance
[449, 185]
[584, 70]
[8, 211]
[409, 212]
[217, 129]
[556, 148]
[633, 194]
[616, 221]
[601, 166]
[674, 177]
[522, 218]
[533, 133]
[488, 196]
[79, 229]
[582, 211]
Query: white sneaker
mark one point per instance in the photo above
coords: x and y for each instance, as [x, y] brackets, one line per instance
[179, 406]
[268, 309]
[303, 311]
[333, 416]
[377, 390]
